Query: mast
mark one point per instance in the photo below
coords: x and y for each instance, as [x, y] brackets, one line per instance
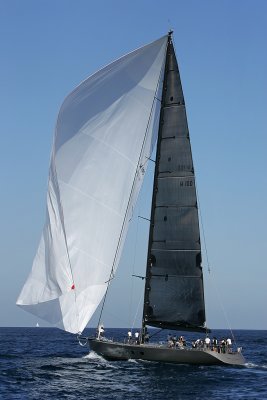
[174, 295]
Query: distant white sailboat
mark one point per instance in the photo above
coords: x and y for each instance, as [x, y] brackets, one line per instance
[37, 325]
[106, 130]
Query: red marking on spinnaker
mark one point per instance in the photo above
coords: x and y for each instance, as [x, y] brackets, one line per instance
[73, 287]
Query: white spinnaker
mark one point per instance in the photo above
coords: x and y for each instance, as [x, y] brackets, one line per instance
[103, 137]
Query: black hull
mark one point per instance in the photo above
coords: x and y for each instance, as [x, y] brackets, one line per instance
[120, 351]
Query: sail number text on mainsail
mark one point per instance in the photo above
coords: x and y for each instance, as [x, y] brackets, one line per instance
[186, 183]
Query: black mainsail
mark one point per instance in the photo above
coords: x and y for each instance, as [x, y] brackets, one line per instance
[174, 295]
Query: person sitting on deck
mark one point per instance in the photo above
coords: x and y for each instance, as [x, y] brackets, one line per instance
[182, 341]
[170, 341]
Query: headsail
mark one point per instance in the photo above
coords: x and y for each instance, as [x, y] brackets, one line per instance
[103, 136]
[174, 296]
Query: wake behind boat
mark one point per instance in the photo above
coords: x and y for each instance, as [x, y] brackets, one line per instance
[105, 134]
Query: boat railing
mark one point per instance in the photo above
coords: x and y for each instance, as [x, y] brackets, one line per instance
[164, 344]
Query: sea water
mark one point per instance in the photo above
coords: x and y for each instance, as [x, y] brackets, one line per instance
[46, 363]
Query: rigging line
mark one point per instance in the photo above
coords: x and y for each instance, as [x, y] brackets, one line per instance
[122, 321]
[135, 245]
[132, 214]
[54, 172]
[203, 233]
[173, 42]
[147, 159]
[202, 227]
[209, 269]
[139, 276]
[150, 336]
[219, 298]
[133, 185]
[133, 270]
[110, 278]
[147, 219]
[141, 297]
[150, 159]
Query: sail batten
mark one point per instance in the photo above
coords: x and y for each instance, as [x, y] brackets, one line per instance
[174, 295]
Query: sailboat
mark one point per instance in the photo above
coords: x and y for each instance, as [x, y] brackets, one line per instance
[105, 134]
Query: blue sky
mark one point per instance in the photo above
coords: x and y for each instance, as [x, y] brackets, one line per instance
[48, 47]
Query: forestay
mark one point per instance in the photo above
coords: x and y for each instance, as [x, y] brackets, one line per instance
[104, 134]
